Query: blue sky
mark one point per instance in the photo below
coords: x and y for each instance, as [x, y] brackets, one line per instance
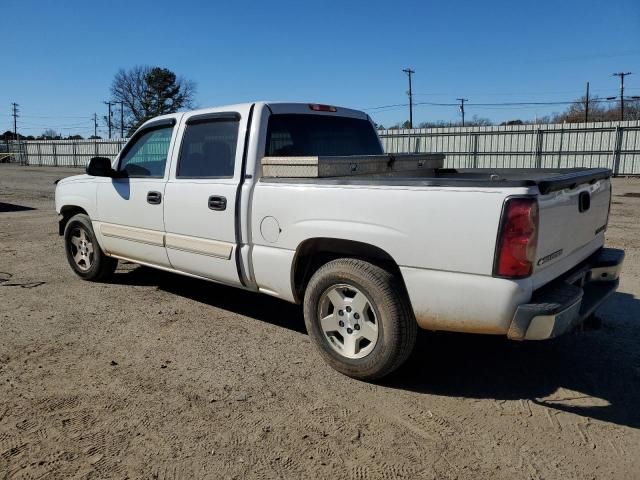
[59, 57]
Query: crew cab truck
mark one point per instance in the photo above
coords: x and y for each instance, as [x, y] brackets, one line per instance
[372, 257]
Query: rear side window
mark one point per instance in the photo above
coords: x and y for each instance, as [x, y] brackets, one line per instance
[147, 155]
[209, 149]
[294, 135]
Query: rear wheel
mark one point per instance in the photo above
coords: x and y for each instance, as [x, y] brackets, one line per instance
[84, 255]
[359, 316]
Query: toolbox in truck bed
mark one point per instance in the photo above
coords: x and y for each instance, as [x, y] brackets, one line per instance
[340, 166]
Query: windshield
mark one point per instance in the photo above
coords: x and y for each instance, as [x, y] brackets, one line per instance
[294, 135]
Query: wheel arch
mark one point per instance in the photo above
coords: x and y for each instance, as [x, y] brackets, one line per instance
[68, 211]
[312, 253]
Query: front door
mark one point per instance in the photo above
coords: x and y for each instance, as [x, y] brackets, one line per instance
[200, 196]
[130, 209]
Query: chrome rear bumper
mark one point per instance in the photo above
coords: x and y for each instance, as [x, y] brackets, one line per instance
[564, 303]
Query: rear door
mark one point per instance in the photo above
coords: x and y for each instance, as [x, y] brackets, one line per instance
[200, 196]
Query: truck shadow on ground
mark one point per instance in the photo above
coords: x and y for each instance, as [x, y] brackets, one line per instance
[597, 371]
[254, 305]
[13, 207]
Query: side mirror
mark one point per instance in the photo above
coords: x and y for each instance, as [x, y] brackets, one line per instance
[100, 167]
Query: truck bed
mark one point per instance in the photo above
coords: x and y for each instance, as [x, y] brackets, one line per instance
[546, 179]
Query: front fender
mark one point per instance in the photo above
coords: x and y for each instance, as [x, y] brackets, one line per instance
[75, 195]
[77, 192]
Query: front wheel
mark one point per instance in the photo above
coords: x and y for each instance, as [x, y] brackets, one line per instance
[86, 258]
[359, 316]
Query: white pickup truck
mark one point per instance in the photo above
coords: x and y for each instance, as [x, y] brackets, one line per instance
[371, 257]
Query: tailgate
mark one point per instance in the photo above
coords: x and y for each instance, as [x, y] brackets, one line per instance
[572, 222]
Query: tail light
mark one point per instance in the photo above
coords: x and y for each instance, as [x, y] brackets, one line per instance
[517, 239]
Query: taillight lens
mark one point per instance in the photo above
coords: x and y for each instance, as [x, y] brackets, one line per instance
[518, 239]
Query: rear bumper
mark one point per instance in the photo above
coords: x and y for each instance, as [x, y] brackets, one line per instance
[563, 304]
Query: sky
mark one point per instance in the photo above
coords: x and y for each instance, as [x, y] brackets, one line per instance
[59, 57]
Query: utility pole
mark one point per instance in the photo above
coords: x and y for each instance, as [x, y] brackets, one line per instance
[410, 72]
[462, 100]
[621, 75]
[15, 116]
[586, 105]
[95, 124]
[109, 118]
[121, 118]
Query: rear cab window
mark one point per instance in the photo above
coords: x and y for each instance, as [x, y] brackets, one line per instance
[298, 135]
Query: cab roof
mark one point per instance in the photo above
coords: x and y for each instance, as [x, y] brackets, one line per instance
[274, 107]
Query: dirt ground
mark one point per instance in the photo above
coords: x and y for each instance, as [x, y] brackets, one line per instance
[158, 376]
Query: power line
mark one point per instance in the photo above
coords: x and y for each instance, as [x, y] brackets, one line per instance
[410, 72]
[511, 94]
[70, 125]
[51, 128]
[494, 104]
[386, 106]
[571, 102]
[55, 116]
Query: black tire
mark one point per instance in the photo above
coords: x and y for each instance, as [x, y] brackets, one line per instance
[387, 298]
[94, 265]
[592, 322]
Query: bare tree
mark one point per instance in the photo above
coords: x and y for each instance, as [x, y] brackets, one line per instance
[50, 134]
[575, 113]
[632, 110]
[146, 92]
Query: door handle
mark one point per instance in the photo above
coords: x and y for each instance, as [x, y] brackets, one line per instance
[154, 198]
[217, 202]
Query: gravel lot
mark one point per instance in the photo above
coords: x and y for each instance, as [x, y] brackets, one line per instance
[159, 376]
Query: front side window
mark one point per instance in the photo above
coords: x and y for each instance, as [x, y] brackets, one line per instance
[147, 156]
[209, 149]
